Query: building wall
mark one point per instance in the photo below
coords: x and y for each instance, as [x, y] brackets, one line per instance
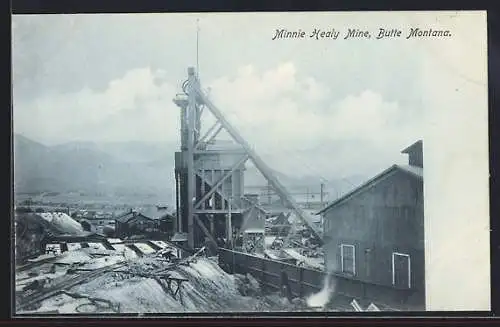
[416, 159]
[415, 154]
[386, 218]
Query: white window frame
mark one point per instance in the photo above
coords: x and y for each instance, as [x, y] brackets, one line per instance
[394, 254]
[342, 245]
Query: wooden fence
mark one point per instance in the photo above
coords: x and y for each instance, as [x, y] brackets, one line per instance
[302, 281]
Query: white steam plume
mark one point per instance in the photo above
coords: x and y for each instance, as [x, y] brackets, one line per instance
[320, 299]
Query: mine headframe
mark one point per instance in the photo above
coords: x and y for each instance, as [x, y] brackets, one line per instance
[209, 181]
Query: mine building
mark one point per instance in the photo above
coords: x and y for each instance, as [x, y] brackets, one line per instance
[374, 235]
[135, 223]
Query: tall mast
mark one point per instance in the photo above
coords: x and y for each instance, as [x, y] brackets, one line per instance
[197, 48]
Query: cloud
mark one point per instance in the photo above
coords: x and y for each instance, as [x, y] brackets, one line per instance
[136, 106]
[281, 112]
[288, 117]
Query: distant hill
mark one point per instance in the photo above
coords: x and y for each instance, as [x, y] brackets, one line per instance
[126, 168]
[92, 168]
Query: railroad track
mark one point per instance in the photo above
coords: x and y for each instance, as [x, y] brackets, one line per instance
[33, 298]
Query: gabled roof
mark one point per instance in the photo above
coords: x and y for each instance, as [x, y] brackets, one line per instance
[130, 215]
[252, 220]
[123, 218]
[282, 219]
[413, 171]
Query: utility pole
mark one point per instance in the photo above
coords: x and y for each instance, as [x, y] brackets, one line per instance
[307, 197]
[269, 193]
[197, 48]
[322, 193]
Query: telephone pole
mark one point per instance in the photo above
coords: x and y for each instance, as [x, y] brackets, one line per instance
[322, 193]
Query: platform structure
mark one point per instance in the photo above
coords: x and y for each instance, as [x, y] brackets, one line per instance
[211, 203]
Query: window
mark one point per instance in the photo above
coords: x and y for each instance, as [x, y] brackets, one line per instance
[348, 258]
[401, 270]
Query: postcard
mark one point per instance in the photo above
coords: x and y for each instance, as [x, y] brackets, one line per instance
[248, 163]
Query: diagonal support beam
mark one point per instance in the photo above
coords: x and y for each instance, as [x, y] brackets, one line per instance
[214, 135]
[223, 196]
[201, 111]
[221, 180]
[210, 130]
[205, 230]
[255, 205]
[259, 163]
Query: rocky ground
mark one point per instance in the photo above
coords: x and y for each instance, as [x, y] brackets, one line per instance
[135, 289]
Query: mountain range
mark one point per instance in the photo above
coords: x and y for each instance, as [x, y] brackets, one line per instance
[121, 168]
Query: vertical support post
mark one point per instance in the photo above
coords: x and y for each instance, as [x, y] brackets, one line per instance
[212, 226]
[221, 191]
[203, 184]
[191, 186]
[229, 227]
[212, 205]
[301, 282]
[234, 263]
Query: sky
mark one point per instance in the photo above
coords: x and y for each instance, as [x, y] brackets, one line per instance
[333, 108]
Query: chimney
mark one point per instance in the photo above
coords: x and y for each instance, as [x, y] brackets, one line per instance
[415, 154]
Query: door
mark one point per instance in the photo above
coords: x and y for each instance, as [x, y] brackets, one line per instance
[401, 270]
